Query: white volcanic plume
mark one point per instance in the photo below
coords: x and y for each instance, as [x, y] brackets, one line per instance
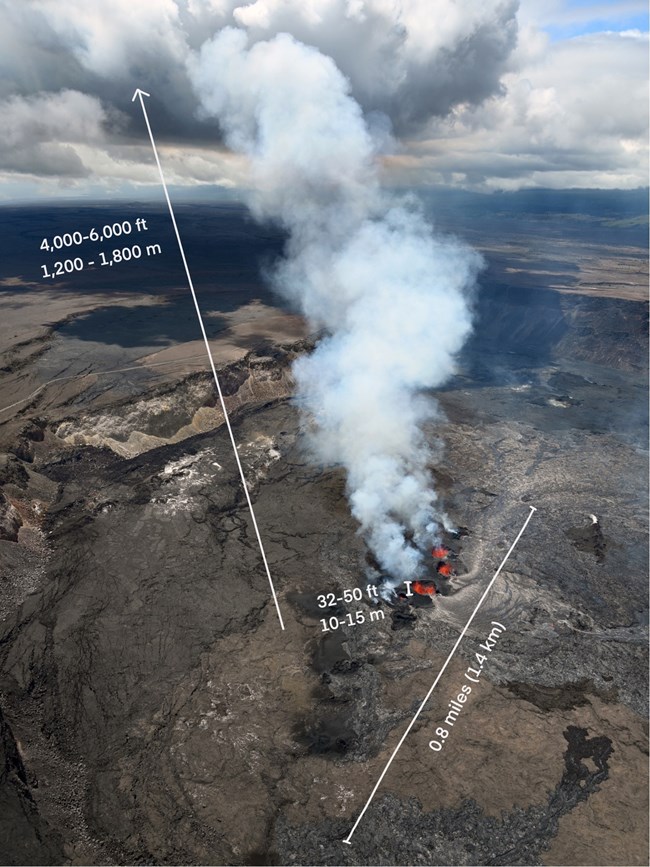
[389, 294]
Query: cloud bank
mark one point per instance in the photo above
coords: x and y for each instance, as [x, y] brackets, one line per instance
[574, 113]
[470, 95]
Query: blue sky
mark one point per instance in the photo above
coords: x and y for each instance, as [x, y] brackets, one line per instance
[570, 18]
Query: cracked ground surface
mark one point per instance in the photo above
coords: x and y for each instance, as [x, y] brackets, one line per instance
[153, 711]
[187, 727]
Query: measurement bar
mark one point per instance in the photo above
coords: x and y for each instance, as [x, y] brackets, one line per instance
[139, 94]
[440, 673]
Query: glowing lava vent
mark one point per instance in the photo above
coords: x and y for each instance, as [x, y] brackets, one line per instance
[440, 552]
[424, 589]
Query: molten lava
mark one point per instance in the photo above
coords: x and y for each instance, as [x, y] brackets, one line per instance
[440, 552]
[445, 569]
[424, 589]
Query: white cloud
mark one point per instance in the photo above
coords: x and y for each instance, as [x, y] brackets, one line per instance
[59, 141]
[410, 59]
[39, 133]
[187, 166]
[109, 39]
[574, 114]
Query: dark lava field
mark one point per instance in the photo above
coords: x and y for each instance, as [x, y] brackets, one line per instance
[152, 711]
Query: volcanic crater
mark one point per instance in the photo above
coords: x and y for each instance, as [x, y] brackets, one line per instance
[153, 711]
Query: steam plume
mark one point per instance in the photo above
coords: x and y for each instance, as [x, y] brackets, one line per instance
[389, 294]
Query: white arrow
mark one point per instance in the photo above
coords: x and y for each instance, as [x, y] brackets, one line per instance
[139, 94]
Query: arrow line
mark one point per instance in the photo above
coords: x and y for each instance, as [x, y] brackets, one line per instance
[139, 94]
[440, 673]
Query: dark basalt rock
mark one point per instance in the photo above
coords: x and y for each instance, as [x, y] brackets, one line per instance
[24, 837]
[24, 450]
[565, 697]
[403, 616]
[12, 471]
[589, 539]
[394, 832]
[10, 520]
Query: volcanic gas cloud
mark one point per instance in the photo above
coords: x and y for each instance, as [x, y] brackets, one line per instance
[367, 268]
